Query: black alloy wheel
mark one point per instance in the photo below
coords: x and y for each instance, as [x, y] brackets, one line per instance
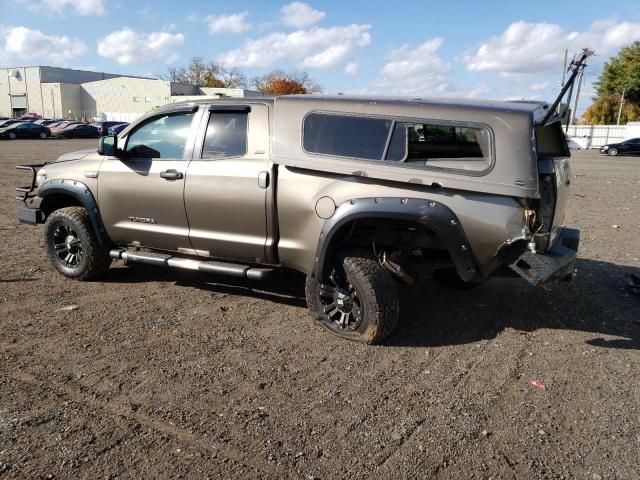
[341, 303]
[67, 246]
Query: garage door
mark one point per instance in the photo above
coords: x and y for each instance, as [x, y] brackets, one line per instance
[18, 101]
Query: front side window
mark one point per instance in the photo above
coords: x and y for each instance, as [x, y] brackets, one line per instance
[162, 137]
[226, 135]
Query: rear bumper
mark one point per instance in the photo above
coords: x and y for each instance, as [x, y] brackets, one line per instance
[555, 264]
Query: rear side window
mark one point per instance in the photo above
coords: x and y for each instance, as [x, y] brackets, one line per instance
[413, 144]
[226, 135]
[162, 137]
[346, 136]
[434, 145]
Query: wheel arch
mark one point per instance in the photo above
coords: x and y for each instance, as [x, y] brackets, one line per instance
[434, 216]
[60, 193]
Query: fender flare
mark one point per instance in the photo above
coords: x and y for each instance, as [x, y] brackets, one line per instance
[432, 214]
[80, 192]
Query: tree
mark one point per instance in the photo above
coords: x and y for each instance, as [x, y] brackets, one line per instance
[604, 111]
[279, 82]
[620, 74]
[211, 74]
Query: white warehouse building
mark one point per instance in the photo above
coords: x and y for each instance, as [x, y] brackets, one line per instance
[54, 92]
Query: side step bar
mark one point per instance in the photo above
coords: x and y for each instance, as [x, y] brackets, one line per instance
[220, 268]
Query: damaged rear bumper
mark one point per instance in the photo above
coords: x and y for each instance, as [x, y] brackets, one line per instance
[555, 264]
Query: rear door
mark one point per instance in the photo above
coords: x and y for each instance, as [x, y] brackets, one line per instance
[141, 194]
[633, 146]
[227, 184]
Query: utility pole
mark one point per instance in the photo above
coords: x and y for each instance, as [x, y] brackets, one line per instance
[564, 74]
[621, 104]
[564, 68]
[575, 104]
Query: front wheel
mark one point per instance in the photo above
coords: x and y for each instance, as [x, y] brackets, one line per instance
[72, 246]
[43, 135]
[613, 152]
[359, 302]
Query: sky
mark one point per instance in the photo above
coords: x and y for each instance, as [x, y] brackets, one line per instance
[474, 49]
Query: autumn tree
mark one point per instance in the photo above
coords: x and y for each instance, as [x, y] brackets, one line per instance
[604, 111]
[279, 82]
[207, 74]
[620, 74]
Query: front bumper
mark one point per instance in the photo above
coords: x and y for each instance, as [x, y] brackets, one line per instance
[555, 264]
[30, 216]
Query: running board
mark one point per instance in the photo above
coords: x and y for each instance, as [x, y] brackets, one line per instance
[220, 268]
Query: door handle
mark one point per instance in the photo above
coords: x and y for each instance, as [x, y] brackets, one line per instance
[171, 174]
[263, 180]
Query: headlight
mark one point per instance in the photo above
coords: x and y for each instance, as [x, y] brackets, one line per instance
[41, 177]
[604, 147]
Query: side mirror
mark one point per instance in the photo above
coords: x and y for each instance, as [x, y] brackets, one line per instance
[108, 146]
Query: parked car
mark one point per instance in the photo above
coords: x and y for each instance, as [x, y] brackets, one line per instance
[363, 195]
[628, 147]
[9, 121]
[116, 129]
[57, 128]
[81, 130]
[24, 130]
[30, 116]
[103, 127]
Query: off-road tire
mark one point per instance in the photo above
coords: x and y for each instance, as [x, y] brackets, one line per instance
[94, 259]
[449, 278]
[377, 292]
[613, 152]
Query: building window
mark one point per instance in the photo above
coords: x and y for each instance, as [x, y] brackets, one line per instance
[147, 99]
[136, 99]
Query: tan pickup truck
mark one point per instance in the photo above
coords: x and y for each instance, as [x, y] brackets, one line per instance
[363, 195]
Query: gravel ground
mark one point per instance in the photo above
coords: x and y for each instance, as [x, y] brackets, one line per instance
[150, 373]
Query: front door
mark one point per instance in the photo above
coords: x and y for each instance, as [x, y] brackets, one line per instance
[227, 184]
[140, 195]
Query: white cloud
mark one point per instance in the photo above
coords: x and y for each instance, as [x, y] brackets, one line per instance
[127, 46]
[233, 23]
[80, 7]
[24, 44]
[525, 48]
[300, 15]
[322, 48]
[415, 70]
[351, 68]
[538, 87]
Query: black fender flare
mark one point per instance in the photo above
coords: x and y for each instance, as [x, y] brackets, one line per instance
[80, 192]
[432, 214]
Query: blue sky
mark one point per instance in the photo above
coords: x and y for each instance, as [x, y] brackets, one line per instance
[490, 49]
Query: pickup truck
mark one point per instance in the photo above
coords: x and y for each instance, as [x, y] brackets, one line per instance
[363, 195]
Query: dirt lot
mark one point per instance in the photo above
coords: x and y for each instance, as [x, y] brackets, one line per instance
[174, 374]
